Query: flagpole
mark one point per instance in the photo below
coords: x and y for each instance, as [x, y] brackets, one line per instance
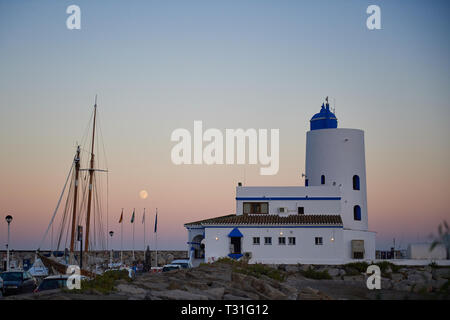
[133, 235]
[121, 239]
[143, 220]
[156, 237]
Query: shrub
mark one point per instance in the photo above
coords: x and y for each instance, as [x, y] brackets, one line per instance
[319, 275]
[257, 270]
[104, 283]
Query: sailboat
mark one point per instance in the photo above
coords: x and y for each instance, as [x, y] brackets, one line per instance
[83, 209]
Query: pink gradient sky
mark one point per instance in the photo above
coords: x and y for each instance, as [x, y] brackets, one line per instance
[157, 67]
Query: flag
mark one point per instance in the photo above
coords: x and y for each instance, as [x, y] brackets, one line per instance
[156, 221]
[132, 217]
[121, 217]
[143, 218]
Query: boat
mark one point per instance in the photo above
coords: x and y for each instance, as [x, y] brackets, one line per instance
[81, 219]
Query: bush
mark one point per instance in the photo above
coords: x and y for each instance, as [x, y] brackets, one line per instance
[257, 270]
[319, 275]
[356, 268]
[385, 265]
[103, 283]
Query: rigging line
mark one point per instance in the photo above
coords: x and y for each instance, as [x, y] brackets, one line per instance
[103, 142]
[57, 206]
[63, 221]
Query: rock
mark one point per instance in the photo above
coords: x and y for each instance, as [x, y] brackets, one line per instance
[305, 267]
[229, 296]
[334, 272]
[353, 278]
[131, 290]
[441, 273]
[289, 291]
[291, 268]
[419, 277]
[397, 276]
[178, 295]
[402, 286]
[386, 283]
[266, 289]
[438, 283]
[247, 293]
[214, 293]
[198, 285]
[309, 290]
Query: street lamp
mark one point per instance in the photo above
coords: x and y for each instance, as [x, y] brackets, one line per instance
[111, 233]
[8, 219]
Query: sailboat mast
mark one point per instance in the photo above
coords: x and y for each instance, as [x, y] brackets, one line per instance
[75, 199]
[91, 176]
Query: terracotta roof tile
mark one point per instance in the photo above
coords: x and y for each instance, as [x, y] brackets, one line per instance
[270, 219]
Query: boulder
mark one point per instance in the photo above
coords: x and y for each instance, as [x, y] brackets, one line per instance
[131, 290]
[334, 272]
[266, 289]
[441, 273]
[404, 285]
[397, 276]
[178, 295]
[229, 296]
[214, 293]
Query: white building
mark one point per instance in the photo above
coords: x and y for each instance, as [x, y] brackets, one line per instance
[324, 222]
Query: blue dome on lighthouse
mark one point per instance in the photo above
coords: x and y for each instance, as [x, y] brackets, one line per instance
[325, 119]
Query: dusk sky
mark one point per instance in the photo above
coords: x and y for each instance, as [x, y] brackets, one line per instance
[159, 65]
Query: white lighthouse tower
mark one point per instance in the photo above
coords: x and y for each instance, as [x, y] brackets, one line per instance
[336, 157]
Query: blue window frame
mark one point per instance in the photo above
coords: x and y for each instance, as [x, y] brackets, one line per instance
[322, 179]
[306, 182]
[357, 213]
[356, 182]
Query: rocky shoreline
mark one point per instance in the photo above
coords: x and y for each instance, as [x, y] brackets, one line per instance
[237, 281]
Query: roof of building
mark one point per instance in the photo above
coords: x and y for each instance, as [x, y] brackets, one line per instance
[325, 119]
[270, 219]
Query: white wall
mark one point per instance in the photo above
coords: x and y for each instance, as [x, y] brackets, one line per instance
[422, 251]
[311, 206]
[369, 244]
[304, 251]
[339, 155]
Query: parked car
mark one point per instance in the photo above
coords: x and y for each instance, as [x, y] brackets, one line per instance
[170, 267]
[53, 282]
[184, 263]
[18, 282]
[1, 287]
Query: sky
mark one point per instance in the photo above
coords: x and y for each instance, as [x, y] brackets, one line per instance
[159, 65]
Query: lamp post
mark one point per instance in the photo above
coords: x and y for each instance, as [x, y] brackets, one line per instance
[111, 233]
[8, 219]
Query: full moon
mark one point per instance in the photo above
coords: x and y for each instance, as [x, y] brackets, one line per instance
[143, 194]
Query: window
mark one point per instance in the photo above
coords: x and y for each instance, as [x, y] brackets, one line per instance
[358, 255]
[282, 241]
[301, 210]
[256, 240]
[306, 182]
[256, 207]
[355, 182]
[319, 241]
[322, 179]
[292, 241]
[267, 240]
[357, 213]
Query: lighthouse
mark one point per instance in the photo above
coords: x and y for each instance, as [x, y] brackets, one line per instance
[323, 222]
[336, 157]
